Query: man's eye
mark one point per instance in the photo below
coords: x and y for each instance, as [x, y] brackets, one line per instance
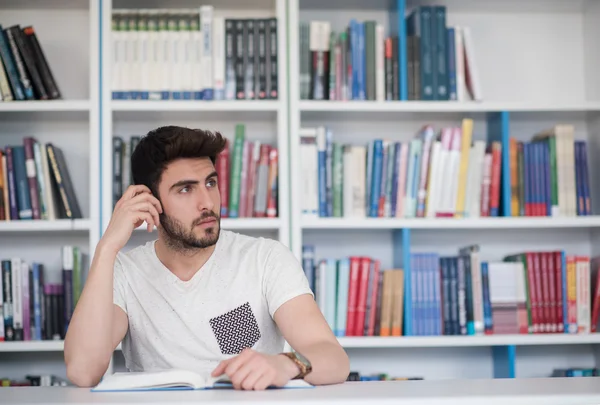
[211, 183]
[185, 189]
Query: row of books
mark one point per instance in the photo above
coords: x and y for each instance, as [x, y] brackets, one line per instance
[35, 183]
[248, 174]
[193, 54]
[24, 70]
[444, 173]
[528, 292]
[361, 62]
[30, 380]
[32, 306]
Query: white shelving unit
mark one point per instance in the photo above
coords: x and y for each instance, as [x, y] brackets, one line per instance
[68, 33]
[540, 77]
[538, 74]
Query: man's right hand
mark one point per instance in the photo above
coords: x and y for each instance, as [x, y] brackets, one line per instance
[135, 206]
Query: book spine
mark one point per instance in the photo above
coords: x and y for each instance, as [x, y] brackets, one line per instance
[32, 177]
[21, 182]
[272, 59]
[17, 297]
[8, 304]
[206, 23]
[236, 171]
[230, 60]
[9, 63]
[218, 53]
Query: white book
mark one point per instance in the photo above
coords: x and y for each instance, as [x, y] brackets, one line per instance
[461, 84]
[118, 60]
[379, 63]
[143, 54]
[355, 174]
[169, 380]
[309, 172]
[154, 66]
[582, 275]
[17, 294]
[206, 26]
[218, 57]
[436, 178]
[444, 183]
[195, 54]
[453, 172]
[476, 169]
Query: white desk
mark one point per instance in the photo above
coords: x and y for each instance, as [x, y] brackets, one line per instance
[554, 391]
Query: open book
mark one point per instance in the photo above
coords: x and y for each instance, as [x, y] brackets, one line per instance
[173, 379]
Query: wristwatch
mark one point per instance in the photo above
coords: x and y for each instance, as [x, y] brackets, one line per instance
[302, 363]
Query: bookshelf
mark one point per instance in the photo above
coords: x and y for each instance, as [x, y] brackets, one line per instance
[72, 124]
[519, 100]
[523, 92]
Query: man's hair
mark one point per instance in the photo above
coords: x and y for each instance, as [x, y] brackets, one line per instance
[164, 145]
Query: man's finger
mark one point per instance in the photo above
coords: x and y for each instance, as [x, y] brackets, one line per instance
[220, 368]
[236, 362]
[134, 190]
[247, 370]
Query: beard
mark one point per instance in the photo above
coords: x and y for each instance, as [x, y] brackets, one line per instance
[182, 240]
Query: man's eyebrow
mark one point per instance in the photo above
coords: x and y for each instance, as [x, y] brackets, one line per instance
[184, 183]
[213, 174]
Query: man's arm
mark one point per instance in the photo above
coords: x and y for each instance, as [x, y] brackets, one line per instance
[306, 330]
[98, 325]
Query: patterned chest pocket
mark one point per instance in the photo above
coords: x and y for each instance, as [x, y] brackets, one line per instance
[236, 329]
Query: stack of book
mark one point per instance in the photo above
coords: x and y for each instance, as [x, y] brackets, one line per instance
[35, 183]
[362, 62]
[531, 292]
[24, 70]
[443, 173]
[192, 54]
[33, 307]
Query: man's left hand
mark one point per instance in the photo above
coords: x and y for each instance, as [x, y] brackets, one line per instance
[251, 370]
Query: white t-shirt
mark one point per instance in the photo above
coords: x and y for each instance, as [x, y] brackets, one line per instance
[225, 307]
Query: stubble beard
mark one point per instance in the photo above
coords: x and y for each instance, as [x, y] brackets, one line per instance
[182, 240]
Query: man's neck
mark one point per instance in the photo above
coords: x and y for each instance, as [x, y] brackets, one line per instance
[184, 264]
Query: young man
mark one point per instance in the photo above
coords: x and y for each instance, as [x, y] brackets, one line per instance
[198, 298]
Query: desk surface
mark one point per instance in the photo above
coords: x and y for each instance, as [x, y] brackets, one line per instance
[548, 391]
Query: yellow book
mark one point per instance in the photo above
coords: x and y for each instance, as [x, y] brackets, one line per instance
[467, 134]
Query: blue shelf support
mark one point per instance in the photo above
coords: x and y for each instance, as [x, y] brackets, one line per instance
[504, 361]
[402, 56]
[499, 131]
[401, 245]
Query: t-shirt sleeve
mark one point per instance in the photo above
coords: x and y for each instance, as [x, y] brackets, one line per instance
[119, 285]
[284, 277]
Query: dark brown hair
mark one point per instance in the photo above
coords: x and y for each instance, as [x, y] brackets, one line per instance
[166, 144]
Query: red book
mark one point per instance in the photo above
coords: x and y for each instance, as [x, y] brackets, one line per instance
[495, 185]
[361, 305]
[554, 320]
[352, 295]
[533, 298]
[545, 284]
[222, 163]
[559, 290]
[537, 274]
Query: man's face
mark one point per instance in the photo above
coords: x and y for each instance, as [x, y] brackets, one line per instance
[191, 203]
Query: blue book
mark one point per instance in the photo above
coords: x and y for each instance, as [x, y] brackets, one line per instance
[451, 59]
[376, 179]
[343, 281]
[21, 182]
[322, 172]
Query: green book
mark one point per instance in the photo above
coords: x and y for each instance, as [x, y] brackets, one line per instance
[236, 171]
